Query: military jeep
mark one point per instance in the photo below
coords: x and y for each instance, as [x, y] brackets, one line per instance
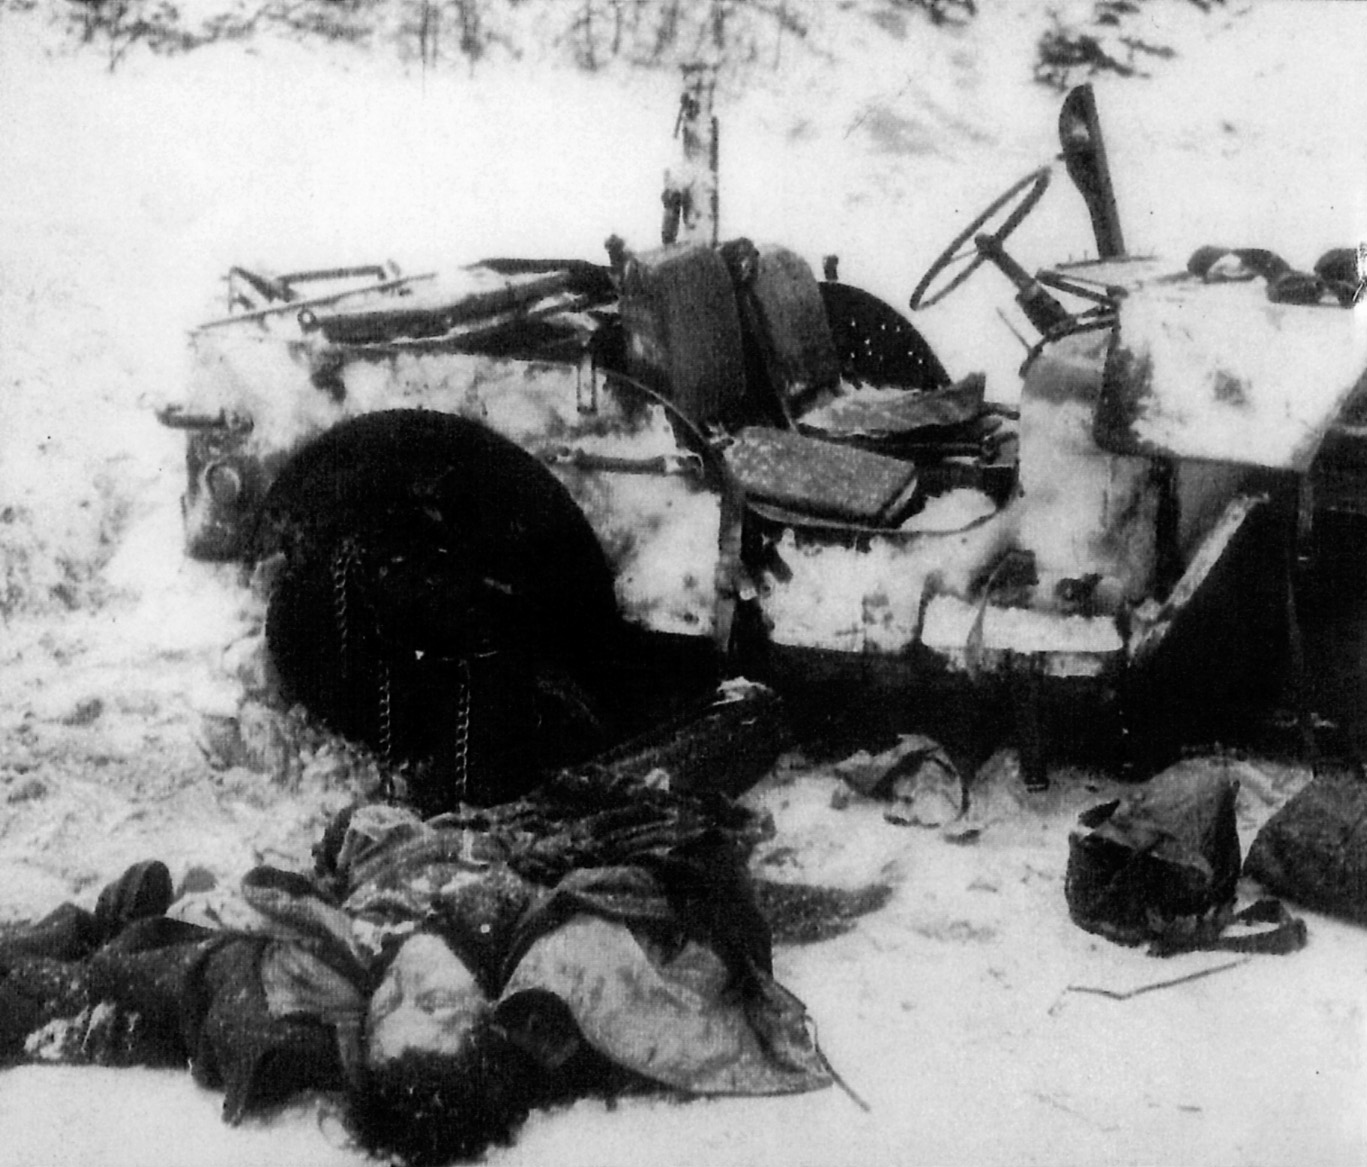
[484, 500]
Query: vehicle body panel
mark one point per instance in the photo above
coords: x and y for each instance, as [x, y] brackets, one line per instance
[1218, 372]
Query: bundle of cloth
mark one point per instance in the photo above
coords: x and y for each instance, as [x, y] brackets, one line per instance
[442, 976]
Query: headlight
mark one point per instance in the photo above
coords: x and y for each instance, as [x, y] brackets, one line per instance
[224, 483]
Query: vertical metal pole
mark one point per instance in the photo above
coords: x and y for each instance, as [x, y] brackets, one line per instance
[691, 199]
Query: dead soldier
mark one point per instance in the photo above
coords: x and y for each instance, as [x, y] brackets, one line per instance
[443, 977]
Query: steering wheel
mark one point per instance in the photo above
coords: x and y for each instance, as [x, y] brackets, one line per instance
[1021, 199]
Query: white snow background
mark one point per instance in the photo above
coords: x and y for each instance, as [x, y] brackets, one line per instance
[123, 200]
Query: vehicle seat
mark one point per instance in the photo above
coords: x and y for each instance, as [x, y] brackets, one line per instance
[811, 345]
[683, 330]
[796, 476]
[792, 359]
[740, 337]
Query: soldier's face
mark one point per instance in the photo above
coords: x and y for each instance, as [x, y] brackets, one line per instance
[428, 1002]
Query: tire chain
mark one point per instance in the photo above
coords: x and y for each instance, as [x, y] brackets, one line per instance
[386, 699]
[346, 561]
[463, 729]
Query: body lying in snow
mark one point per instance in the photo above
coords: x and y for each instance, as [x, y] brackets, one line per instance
[445, 976]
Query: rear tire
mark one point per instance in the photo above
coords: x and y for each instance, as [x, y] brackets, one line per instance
[442, 600]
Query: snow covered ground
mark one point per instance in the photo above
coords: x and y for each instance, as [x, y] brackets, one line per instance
[124, 198]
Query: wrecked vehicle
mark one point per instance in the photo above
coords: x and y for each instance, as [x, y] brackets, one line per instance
[476, 498]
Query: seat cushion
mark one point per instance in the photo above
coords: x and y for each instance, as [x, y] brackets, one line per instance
[821, 478]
